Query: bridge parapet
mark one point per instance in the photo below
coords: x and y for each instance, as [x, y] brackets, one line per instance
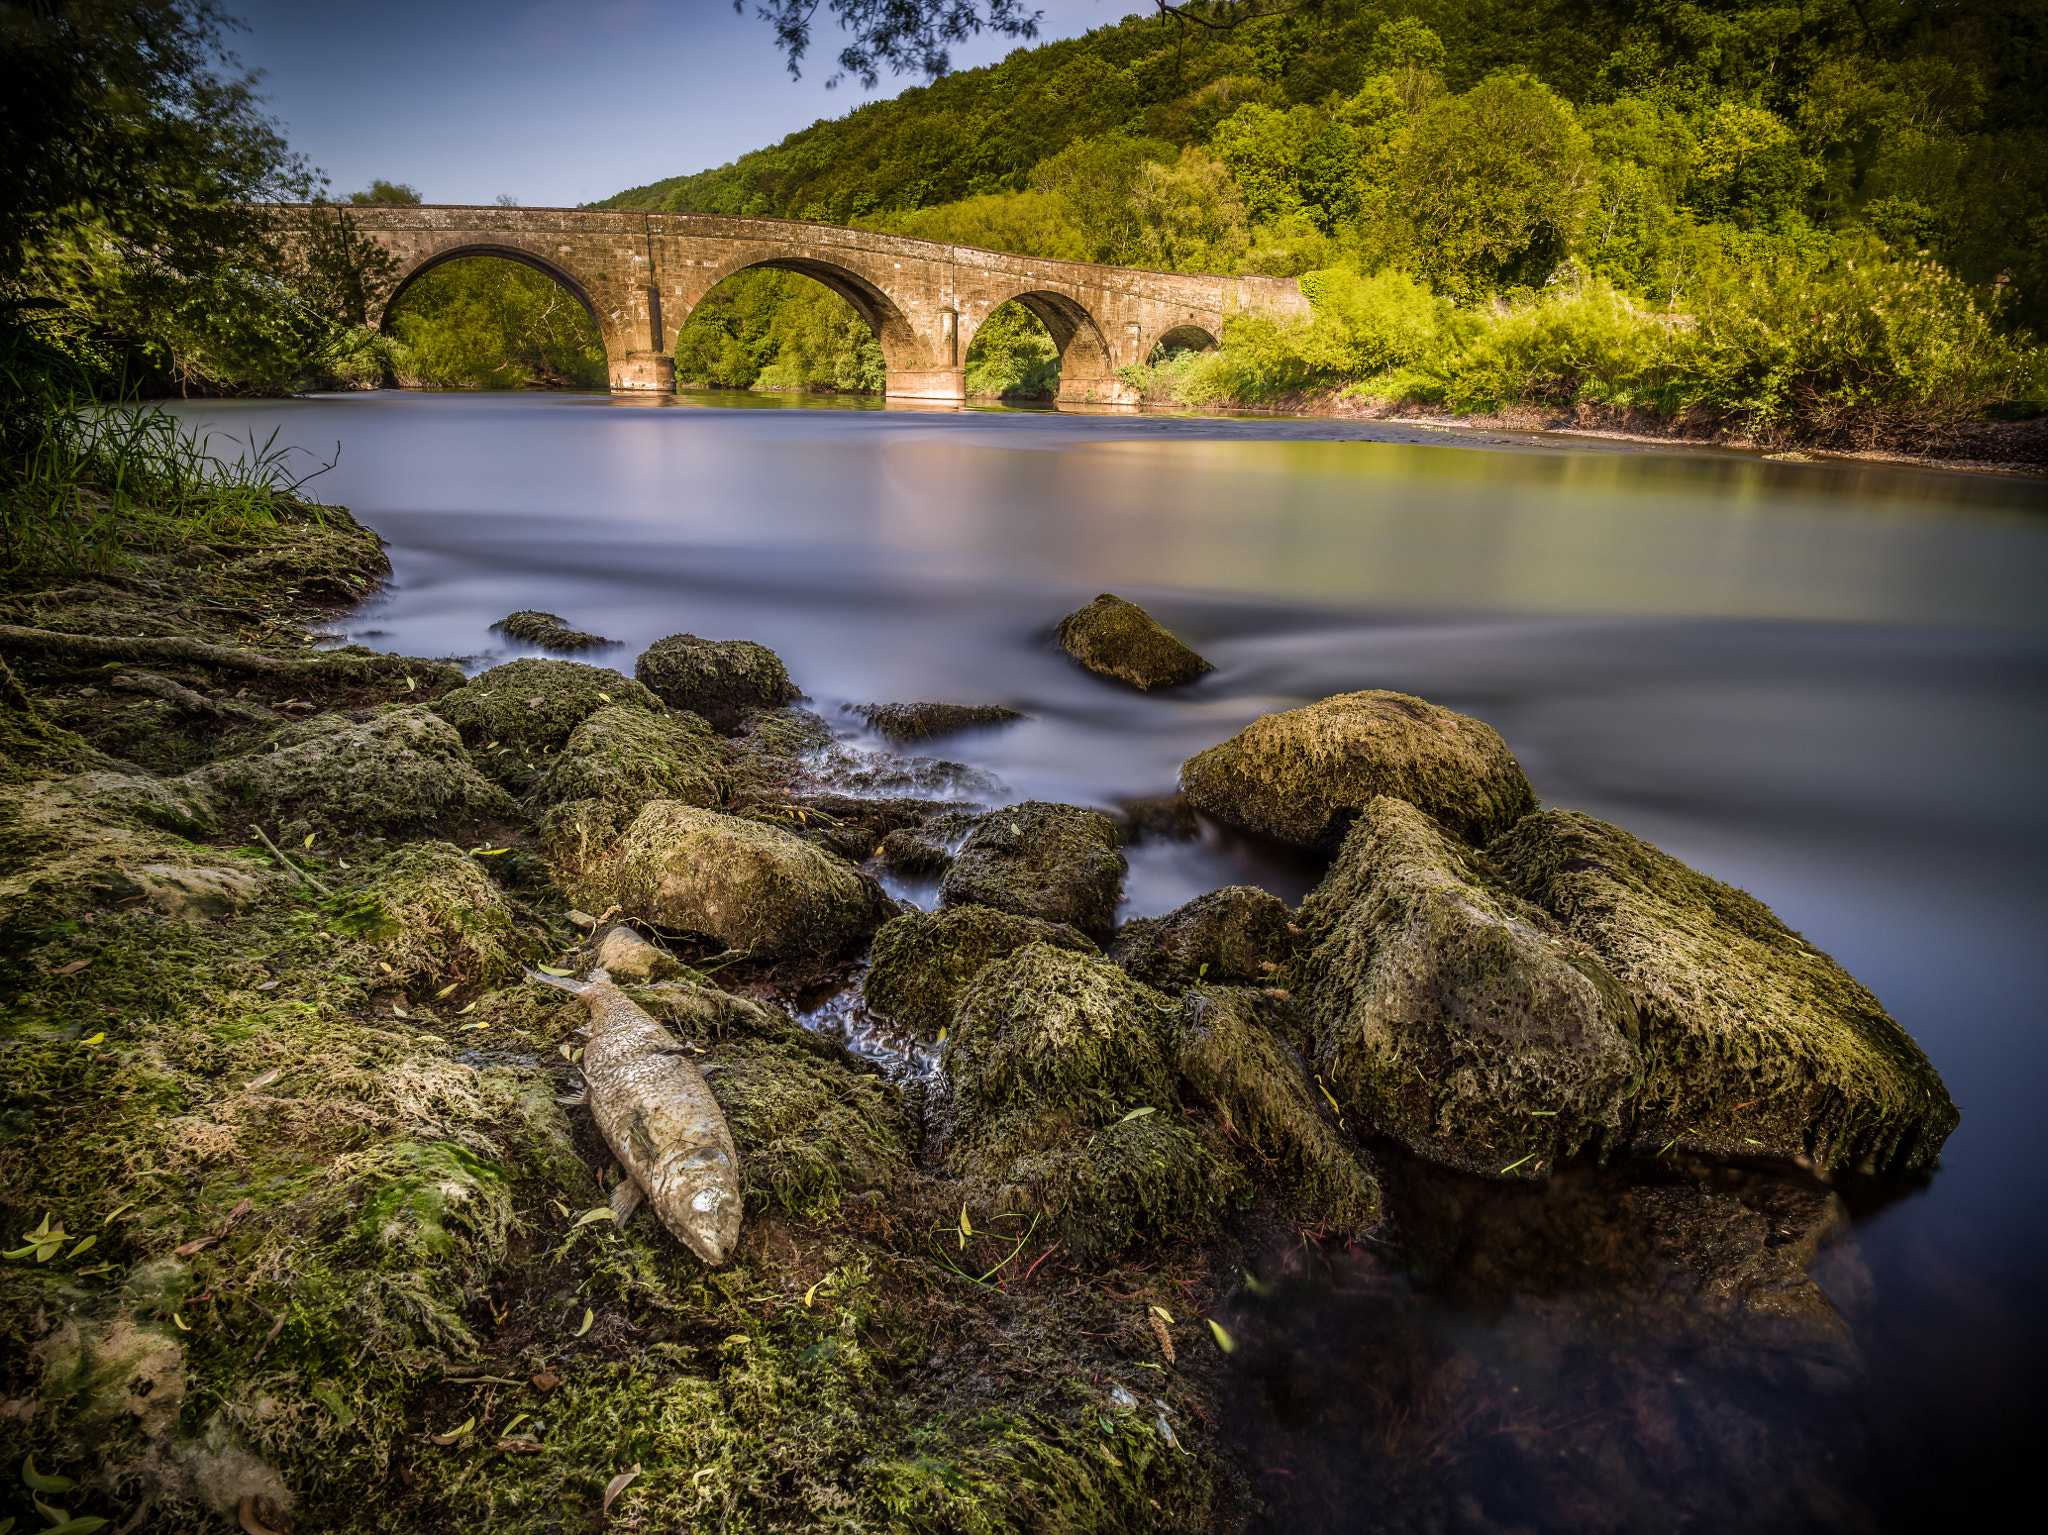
[640, 275]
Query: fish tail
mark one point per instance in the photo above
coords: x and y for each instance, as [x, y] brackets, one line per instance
[560, 982]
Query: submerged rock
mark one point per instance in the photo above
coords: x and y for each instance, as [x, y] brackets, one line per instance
[1237, 934]
[1301, 775]
[515, 717]
[929, 848]
[615, 762]
[750, 886]
[1230, 1057]
[920, 722]
[721, 680]
[1115, 638]
[549, 631]
[922, 959]
[1456, 1018]
[1754, 1042]
[1064, 1105]
[402, 767]
[1056, 862]
[1156, 818]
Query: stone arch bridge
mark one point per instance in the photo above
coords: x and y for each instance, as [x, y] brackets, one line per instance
[641, 274]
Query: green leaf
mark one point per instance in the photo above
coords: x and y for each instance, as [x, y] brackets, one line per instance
[1223, 1339]
[589, 1316]
[551, 970]
[601, 1213]
[88, 1524]
[39, 1481]
[1137, 1114]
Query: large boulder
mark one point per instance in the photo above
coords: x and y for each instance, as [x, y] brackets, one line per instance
[515, 717]
[922, 959]
[1056, 862]
[1754, 1042]
[751, 887]
[615, 762]
[1115, 638]
[435, 920]
[1064, 1106]
[1456, 1018]
[1301, 775]
[1237, 934]
[402, 767]
[722, 680]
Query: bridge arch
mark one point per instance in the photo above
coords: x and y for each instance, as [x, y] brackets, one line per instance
[1186, 336]
[1087, 361]
[556, 273]
[902, 347]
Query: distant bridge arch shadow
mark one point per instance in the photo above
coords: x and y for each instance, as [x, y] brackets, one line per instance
[641, 274]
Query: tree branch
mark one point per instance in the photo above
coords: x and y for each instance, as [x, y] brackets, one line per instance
[179, 649]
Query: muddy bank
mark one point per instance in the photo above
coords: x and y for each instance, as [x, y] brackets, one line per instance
[334, 1253]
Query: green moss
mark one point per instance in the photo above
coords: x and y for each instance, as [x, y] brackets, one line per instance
[403, 767]
[910, 723]
[618, 760]
[1059, 863]
[1237, 934]
[30, 745]
[549, 631]
[515, 717]
[1455, 1017]
[436, 920]
[922, 959]
[68, 844]
[1302, 775]
[928, 848]
[1754, 1042]
[750, 886]
[1115, 638]
[722, 681]
[1230, 1056]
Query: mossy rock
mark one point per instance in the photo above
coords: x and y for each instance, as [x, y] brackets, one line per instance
[811, 1128]
[910, 723]
[514, 718]
[1231, 1057]
[550, 631]
[1064, 1105]
[106, 838]
[922, 959]
[615, 762]
[30, 745]
[1302, 775]
[1754, 1042]
[1237, 934]
[721, 680]
[1115, 638]
[1059, 863]
[929, 848]
[1456, 1018]
[436, 919]
[750, 886]
[403, 767]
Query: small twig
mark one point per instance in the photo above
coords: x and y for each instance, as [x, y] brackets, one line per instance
[289, 865]
[1034, 1267]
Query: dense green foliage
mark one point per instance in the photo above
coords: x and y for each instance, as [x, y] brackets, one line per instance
[776, 330]
[486, 323]
[1555, 201]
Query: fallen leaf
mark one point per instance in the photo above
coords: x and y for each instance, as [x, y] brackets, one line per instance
[268, 1077]
[399, 1012]
[589, 1316]
[617, 1485]
[521, 1446]
[454, 1433]
[71, 969]
[1138, 1113]
[310, 837]
[197, 1244]
[1163, 1314]
[266, 986]
[118, 1210]
[183, 1325]
[469, 1009]
[601, 1213]
[81, 1247]
[99, 1038]
[551, 970]
[1223, 1339]
[42, 1482]
[446, 989]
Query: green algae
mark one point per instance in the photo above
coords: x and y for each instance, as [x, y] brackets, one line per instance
[103, 837]
[749, 886]
[722, 681]
[401, 767]
[1455, 1017]
[1302, 775]
[921, 960]
[30, 744]
[1059, 863]
[1115, 638]
[1754, 1042]
[514, 718]
[1237, 934]
[436, 920]
[550, 631]
[911, 723]
[613, 764]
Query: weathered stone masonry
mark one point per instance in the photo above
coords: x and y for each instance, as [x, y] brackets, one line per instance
[641, 274]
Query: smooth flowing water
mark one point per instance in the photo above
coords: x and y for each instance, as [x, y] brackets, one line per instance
[1821, 682]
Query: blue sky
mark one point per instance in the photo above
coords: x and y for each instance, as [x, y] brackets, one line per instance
[554, 102]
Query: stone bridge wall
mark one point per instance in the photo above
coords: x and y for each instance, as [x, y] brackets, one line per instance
[641, 274]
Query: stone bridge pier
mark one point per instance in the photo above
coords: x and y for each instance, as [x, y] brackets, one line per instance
[640, 275]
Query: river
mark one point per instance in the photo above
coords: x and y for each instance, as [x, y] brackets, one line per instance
[1822, 682]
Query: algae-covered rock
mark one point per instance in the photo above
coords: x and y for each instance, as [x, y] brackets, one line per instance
[1230, 1056]
[1301, 775]
[929, 848]
[189, 893]
[1064, 1104]
[1455, 1017]
[550, 631]
[722, 680]
[921, 722]
[515, 717]
[1115, 638]
[1056, 862]
[29, 743]
[1239, 933]
[436, 919]
[750, 886]
[402, 767]
[922, 959]
[615, 762]
[87, 839]
[811, 1128]
[1754, 1042]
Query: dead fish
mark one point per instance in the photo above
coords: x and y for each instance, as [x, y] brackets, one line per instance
[660, 1119]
